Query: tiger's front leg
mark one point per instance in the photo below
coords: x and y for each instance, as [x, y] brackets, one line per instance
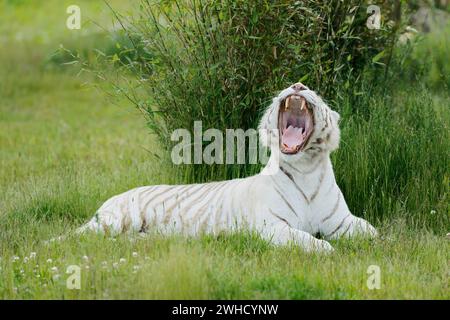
[339, 221]
[282, 234]
[350, 226]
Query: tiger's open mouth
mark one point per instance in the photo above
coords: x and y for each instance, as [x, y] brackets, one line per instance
[296, 123]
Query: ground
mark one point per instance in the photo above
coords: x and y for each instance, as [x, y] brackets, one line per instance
[65, 148]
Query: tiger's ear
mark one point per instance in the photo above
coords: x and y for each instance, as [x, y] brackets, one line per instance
[333, 141]
[336, 116]
[268, 122]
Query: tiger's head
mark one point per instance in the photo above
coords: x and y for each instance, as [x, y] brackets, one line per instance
[307, 127]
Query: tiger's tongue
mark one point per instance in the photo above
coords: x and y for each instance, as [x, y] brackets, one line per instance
[292, 137]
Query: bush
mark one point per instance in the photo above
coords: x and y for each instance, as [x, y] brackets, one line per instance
[117, 47]
[425, 59]
[222, 61]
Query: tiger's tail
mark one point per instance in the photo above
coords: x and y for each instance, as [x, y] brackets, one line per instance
[92, 225]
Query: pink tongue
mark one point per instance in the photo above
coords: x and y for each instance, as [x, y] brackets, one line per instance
[292, 137]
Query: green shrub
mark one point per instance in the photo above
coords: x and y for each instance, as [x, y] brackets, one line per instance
[117, 47]
[222, 61]
[425, 59]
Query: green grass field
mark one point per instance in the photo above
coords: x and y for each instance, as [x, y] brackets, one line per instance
[65, 148]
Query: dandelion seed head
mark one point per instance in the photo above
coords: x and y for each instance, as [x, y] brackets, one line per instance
[135, 268]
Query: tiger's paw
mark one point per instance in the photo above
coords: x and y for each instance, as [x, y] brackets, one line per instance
[320, 246]
[371, 231]
[363, 228]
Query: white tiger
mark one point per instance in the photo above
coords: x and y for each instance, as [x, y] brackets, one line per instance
[298, 201]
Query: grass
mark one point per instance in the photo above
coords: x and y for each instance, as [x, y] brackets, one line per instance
[234, 266]
[64, 149]
[393, 159]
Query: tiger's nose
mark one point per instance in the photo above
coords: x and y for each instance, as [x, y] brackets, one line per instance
[299, 86]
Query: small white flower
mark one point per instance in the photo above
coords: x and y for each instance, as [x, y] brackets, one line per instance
[32, 255]
[86, 267]
[433, 212]
[86, 258]
[122, 260]
[49, 260]
[54, 269]
[134, 254]
[22, 271]
[15, 258]
[25, 260]
[136, 268]
[115, 265]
